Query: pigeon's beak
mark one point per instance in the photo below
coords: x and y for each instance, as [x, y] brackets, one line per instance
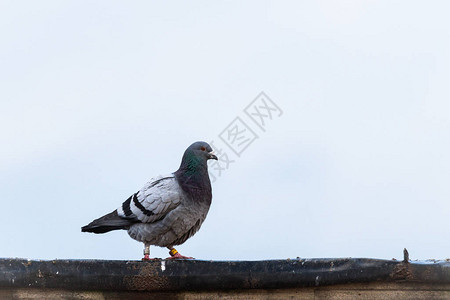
[212, 156]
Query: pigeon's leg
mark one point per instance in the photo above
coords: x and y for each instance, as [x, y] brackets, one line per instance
[174, 254]
[146, 252]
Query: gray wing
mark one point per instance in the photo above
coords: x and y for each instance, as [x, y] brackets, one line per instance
[153, 202]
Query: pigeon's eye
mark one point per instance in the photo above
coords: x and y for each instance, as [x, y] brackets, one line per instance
[203, 148]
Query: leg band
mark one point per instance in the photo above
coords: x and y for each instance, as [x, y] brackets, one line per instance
[173, 252]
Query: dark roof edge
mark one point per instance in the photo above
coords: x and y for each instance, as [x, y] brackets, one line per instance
[171, 275]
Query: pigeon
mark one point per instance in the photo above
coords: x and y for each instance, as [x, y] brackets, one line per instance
[168, 209]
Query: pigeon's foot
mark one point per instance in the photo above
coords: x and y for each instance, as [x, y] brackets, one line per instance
[179, 256]
[174, 254]
[147, 253]
[147, 258]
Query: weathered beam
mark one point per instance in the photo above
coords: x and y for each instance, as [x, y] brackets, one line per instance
[198, 275]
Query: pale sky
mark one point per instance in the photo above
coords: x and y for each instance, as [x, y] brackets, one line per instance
[97, 97]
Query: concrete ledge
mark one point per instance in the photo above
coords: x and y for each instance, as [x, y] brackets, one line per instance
[196, 279]
[194, 275]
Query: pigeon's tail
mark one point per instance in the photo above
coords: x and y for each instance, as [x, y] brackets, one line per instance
[108, 222]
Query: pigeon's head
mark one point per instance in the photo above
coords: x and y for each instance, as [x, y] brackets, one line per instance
[201, 150]
[193, 173]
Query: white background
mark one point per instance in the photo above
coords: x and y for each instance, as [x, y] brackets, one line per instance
[97, 97]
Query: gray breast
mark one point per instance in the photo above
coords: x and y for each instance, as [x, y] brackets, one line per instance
[175, 227]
